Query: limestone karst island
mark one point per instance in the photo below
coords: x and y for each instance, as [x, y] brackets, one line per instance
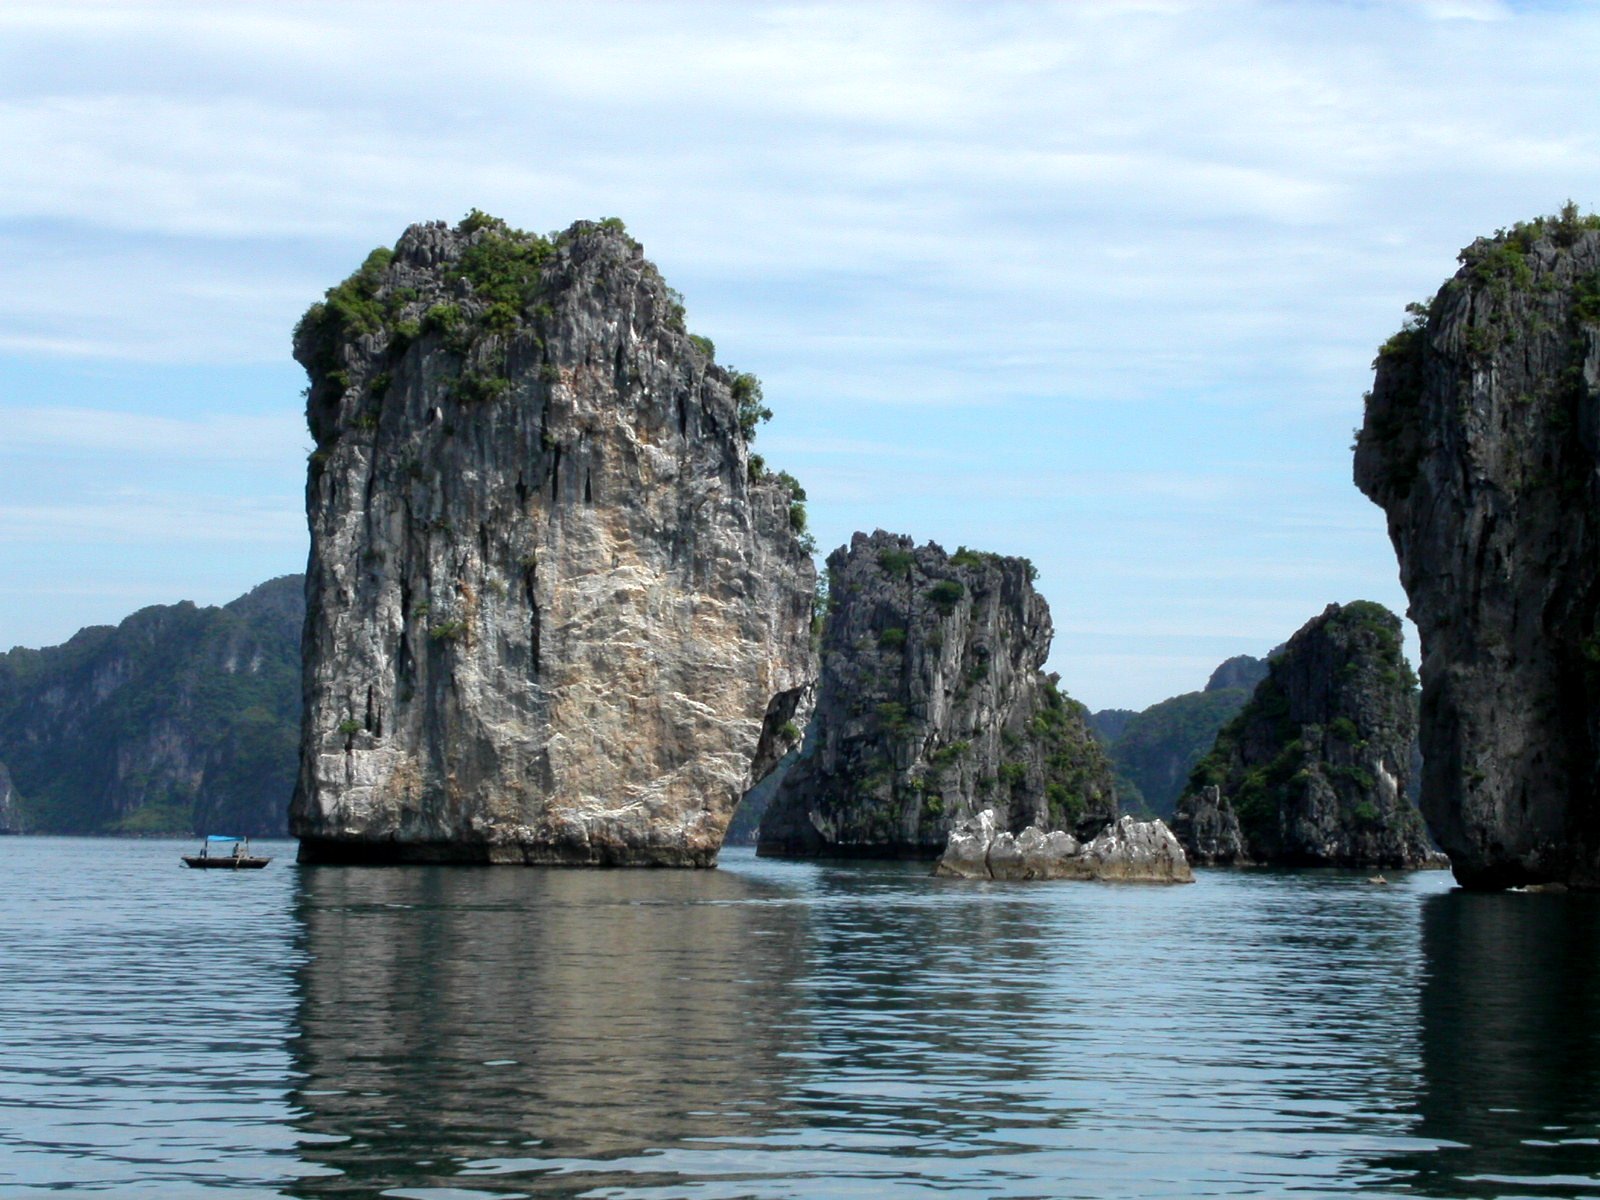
[683, 600]
[559, 611]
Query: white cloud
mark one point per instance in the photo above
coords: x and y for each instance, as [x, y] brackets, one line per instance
[169, 520]
[1094, 282]
[269, 441]
[1465, 10]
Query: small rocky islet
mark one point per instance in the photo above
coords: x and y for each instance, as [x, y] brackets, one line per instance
[558, 611]
[1315, 770]
[933, 706]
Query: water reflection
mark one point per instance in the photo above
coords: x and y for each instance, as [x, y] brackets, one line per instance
[785, 1030]
[1510, 1101]
[448, 1015]
[789, 1030]
[559, 1032]
[926, 1010]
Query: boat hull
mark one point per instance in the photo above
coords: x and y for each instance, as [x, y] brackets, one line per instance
[224, 863]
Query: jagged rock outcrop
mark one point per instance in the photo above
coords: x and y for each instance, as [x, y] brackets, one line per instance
[179, 720]
[1313, 770]
[1208, 829]
[1127, 851]
[932, 706]
[10, 804]
[1480, 442]
[558, 612]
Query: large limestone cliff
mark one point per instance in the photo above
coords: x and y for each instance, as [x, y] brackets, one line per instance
[1313, 771]
[557, 612]
[1481, 442]
[932, 707]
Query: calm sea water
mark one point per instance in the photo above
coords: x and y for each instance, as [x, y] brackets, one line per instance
[783, 1030]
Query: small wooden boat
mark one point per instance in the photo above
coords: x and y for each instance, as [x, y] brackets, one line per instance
[238, 858]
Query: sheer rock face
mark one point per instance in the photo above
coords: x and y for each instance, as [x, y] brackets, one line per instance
[1127, 851]
[1481, 442]
[1313, 771]
[10, 804]
[931, 707]
[552, 618]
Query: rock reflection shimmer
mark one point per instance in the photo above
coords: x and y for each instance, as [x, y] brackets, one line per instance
[447, 1014]
[1510, 1048]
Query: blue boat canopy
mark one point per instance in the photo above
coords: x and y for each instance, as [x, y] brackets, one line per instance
[219, 837]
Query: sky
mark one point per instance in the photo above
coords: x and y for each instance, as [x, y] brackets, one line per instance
[1095, 283]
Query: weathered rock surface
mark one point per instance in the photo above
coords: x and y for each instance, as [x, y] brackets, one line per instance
[932, 706]
[1313, 770]
[10, 804]
[558, 612]
[1481, 442]
[180, 719]
[1126, 850]
[1208, 829]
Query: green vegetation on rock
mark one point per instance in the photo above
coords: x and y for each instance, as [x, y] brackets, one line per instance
[1314, 768]
[932, 705]
[179, 720]
[1159, 747]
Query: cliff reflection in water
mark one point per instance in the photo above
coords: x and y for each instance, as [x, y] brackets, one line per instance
[1510, 1046]
[557, 1032]
[447, 1015]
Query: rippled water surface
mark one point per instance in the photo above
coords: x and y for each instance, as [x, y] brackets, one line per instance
[777, 1029]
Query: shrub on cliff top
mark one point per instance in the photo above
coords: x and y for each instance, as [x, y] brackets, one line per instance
[946, 594]
[347, 309]
[503, 265]
[896, 562]
[746, 389]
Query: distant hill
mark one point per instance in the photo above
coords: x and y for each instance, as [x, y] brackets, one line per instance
[1153, 751]
[1240, 671]
[179, 720]
[1108, 723]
